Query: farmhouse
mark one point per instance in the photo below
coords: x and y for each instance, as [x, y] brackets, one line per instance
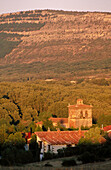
[54, 140]
[78, 115]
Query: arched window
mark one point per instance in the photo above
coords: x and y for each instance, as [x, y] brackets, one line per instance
[81, 114]
[86, 114]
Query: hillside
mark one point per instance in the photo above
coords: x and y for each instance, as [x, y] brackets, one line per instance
[55, 44]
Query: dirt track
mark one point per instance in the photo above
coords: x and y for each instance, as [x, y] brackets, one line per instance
[56, 165]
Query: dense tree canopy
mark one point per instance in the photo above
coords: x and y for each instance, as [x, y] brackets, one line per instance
[22, 103]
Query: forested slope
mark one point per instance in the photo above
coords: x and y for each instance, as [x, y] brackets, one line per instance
[55, 44]
[22, 104]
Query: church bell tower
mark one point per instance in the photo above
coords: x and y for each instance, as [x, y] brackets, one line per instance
[80, 115]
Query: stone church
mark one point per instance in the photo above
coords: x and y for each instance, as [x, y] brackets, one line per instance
[78, 115]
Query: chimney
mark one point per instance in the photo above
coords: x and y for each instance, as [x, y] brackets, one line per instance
[48, 129]
[79, 131]
[58, 130]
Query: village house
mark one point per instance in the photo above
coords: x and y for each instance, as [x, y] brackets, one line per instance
[108, 130]
[78, 115]
[51, 141]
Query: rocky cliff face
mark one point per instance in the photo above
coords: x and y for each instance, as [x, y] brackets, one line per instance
[60, 44]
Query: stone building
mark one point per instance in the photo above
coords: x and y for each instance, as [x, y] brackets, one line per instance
[78, 115]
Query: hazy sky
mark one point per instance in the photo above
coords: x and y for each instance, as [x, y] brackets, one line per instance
[73, 5]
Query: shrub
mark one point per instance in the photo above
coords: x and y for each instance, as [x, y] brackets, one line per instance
[12, 156]
[69, 162]
[105, 151]
[24, 157]
[48, 165]
[5, 162]
[87, 157]
[48, 155]
[60, 152]
[8, 156]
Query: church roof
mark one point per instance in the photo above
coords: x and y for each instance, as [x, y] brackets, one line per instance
[61, 120]
[79, 100]
[80, 106]
[60, 137]
[55, 120]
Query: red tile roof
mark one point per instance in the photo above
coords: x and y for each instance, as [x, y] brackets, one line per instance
[55, 120]
[107, 128]
[39, 123]
[79, 100]
[61, 120]
[80, 106]
[60, 137]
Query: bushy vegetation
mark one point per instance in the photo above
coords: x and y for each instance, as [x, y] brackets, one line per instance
[92, 136]
[88, 157]
[49, 156]
[8, 43]
[48, 165]
[14, 156]
[13, 152]
[21, 26]
[59, 70]
[94, 152]
[69, 162]
[86, 67]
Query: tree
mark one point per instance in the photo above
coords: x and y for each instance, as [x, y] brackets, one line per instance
[31, 127]
[20, 127]
[104, 119]
[13, 155]
[33, 146]
[93, 136]
[59, 109]
[15, 139]
[48, 124]
[100, 82]
[38, 128]
[11, 129]
[44, 116]
[3, 134]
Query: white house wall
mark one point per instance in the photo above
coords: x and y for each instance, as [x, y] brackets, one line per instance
[54, 148]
